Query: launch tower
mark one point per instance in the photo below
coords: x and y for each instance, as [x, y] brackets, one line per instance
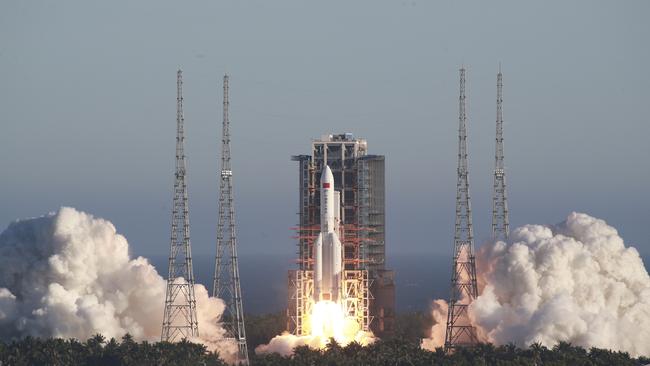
[179, 320]
[460, 332]
[226, 284]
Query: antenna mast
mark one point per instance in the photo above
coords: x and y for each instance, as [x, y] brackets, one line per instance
[226, 284]
[460, 332]
[500, 224]
[179, 320]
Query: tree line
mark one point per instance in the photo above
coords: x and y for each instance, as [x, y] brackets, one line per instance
[401, 349]
[97, 351]
[399, 352]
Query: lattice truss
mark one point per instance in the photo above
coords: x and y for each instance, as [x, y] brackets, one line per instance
[226, 284]
[179, 318]
[464, 290]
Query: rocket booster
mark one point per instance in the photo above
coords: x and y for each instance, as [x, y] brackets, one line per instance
[328, 251]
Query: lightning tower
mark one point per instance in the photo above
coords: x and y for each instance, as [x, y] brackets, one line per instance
[226, 270]
[179, 320]
[500, 224]
[460, 332]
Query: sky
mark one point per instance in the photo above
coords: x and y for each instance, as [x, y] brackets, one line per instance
[87, 101]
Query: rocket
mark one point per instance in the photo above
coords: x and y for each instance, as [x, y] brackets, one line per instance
[328, 252]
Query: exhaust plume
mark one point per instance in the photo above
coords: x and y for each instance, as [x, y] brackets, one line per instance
[574, 282]
[69, 274]
[349, 332]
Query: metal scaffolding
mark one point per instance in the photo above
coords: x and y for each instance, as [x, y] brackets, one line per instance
[356, 299]
[302, 284]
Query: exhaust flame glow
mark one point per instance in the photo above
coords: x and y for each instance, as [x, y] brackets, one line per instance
[327, 321]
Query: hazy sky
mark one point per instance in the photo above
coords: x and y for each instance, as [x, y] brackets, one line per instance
[87, 107]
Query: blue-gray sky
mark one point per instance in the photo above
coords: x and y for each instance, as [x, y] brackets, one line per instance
[87, 107]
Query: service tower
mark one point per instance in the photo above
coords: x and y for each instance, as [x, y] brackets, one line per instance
[368, 286]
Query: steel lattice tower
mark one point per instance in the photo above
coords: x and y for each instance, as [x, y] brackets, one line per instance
[460, 332]
[179, 319]
[226, 284]
[500, 224]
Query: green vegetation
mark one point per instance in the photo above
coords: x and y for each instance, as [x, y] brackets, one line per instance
[261, 328]
[97, 351]
[402, 349]
[398, 352]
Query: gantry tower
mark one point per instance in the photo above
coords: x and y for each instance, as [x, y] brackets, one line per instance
[179, 320]
[226, 270]
[460, 332]
[500, 224]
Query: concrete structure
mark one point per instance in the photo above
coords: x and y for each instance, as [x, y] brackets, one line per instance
[359, 178]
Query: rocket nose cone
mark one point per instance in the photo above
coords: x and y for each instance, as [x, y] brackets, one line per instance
[327, 175]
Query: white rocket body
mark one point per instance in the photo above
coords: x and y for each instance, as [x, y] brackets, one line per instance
[328, 252]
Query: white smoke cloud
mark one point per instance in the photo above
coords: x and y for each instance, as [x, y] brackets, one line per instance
[285, 343]
[326, 321]
[69, 274]
[574, 282]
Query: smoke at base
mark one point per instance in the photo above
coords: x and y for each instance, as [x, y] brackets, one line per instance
[69, 274]
[327, 321]
[574, 282]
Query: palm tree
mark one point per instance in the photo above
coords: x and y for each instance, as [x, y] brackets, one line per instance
[303, 355]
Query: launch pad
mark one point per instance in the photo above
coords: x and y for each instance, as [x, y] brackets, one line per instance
[356, 300]
[367, 287]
